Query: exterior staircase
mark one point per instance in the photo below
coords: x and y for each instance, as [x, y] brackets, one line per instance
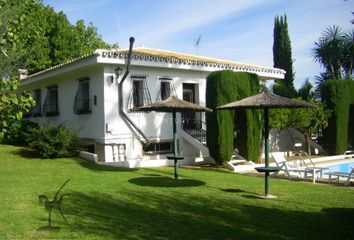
[196, 137]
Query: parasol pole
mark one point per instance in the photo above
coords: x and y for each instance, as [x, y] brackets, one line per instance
[266, 150]
[175, 141]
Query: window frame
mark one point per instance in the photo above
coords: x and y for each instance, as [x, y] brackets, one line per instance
[82, 102]
[52, 111]
[138, 93]
[37, 109]
[167, 88]
[157, 148]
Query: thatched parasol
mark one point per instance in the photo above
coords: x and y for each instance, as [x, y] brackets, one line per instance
[265, 100]
[174, 104]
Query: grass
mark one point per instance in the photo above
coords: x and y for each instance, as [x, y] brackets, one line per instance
[113, 203]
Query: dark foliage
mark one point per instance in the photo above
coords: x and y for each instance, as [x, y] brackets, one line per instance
[18, 132]
[51, 141]
[224, 126]
[282, 58]
[305, 91]
[221, 89]
[339, 98]
[247, 122]
[34, 37]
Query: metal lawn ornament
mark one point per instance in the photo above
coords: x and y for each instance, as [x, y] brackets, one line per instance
[53, 204]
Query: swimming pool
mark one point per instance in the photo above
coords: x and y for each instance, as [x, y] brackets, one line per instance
[343, 167]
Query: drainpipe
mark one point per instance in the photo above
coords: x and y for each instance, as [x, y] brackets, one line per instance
[120, 96]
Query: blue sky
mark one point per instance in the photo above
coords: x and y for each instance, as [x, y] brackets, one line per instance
[235, 30]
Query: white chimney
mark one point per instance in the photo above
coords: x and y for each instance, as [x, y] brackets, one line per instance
[23, 73]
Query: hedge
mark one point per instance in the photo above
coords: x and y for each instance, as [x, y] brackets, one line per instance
[225, 87]
[247, 122]
[220, 89]
[338, 95]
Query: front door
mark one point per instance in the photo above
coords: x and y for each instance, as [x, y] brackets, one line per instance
[188, 118]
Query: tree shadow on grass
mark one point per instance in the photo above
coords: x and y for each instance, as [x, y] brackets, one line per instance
[165, 182]
[232, 190]
[152, 175]
[26, 153]
[158, 216]
[162, 171]
[235, 190]
[97, 167]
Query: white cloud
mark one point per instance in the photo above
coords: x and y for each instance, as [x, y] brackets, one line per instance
[231, 29]
[175, 17]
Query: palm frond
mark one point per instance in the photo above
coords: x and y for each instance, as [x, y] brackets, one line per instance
[330, 51]
[319, 80]
[333, 33]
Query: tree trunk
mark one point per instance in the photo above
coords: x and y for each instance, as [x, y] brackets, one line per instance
[307, 142]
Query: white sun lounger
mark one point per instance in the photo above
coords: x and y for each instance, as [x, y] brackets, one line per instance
[310, 166]
[338, 175]
[293, 166]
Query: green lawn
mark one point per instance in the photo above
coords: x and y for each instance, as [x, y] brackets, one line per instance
[113, 203]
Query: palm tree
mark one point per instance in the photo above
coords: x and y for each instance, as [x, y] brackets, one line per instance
[334, 50]
[348, 54]
[329, 51]
[319, 80]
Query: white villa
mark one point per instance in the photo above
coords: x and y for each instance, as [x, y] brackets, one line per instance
[87, 93]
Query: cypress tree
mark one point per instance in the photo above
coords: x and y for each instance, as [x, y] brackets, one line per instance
[225, 87]
[220, 89]
[351, 117]
[282, 58]
[247, 122]
[339, 98]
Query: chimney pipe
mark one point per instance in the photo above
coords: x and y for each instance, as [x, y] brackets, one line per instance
[120, 94]
[23, 73]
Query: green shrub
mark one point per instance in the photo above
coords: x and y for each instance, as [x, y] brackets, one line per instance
[51, 141]
[18, 132]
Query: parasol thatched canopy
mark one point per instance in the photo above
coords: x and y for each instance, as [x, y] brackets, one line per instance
[174, 104]
[266, 99]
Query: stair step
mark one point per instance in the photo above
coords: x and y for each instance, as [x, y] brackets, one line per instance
[236, 161]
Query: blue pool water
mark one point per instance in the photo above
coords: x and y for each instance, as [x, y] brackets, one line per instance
[344, 167]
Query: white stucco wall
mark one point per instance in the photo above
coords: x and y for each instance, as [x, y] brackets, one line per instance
[156, 126]
[89, 125]
[105, 125]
